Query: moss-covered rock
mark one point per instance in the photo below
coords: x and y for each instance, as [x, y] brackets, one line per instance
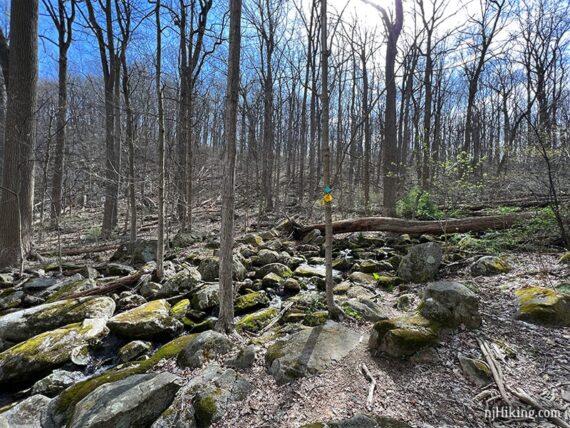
[343, 263]
[271, 280]
[543, 306]
[277, 268]
[256, 321]
[403, 336]
[178, 311]
[476, 371]
[308, 271]
[61, 408]
[206, 346]
[10, 298]
[184, 281]
[316, 318]
[21, 325]
[146, 322]
[133, 350]
[210, 268]
[70, 288]
[451, 304]
[250, 302]
[362, 278]
[373, 266]
[31, 359]
[565, 258]
[291, 286]
[143, 251]
[388, 282]
[490, 265]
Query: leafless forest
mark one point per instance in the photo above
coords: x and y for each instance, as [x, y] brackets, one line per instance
[317, 213]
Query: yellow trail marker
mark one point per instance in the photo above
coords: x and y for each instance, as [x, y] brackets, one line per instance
[327, 199]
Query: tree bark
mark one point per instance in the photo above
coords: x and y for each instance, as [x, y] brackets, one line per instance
[16, 205]
[226, 315]
[416, 227]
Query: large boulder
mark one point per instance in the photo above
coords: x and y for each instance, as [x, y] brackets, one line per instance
[363, 308]
[182, 282]
[206, 297]
[209, 268]
[25, 414]
[143, 251]
[69, 288]
[256, 321]
[35, 357]
[451, 304]
[543, 306]
[146, 322]
[310, 351]
[135, 401]
[207, 345]
[251, 302]
[489, 266]
[421, 264]
[276, 268]
[403, 336]
[213, 390]
[11, 298]
[21, 325]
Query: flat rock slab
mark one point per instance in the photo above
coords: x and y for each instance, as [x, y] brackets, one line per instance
[310, 351]
[135, 401]
[25, 414]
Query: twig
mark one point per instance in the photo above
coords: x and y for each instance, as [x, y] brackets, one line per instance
[525, 398]
[369, 376]
[495, 369]
[276, 319]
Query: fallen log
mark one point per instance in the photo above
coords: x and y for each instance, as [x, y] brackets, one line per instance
[77, 251]
[107, 288]
[416, 227]
[537, 202]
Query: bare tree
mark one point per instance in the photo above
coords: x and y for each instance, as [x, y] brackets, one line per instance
[16, 206]
[226, 316]
[161, 162]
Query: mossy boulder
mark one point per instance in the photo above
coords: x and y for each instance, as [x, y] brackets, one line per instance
[310, 351]
[148, 321]
[403, 336]
[57, 381]
[277, 268]
[489, 266]
[186, 238]
[133, 350]
[271, 280]
[291, 286]
[253, 239]
[256, 321]
[38, 355]
[137, 400]
[308, 271]
[21, 325]
[214, 389]
[250, 302]
[206, 297]
[206, 346]
[316, 318]
[343, 263]
[266, 256]
[362, 278]
[374, 266]
[70, 288]
[61, 408]
[387, 281]
[451, 304]
[421, 264]
[366, 309]
[178, 311]
[543, 306]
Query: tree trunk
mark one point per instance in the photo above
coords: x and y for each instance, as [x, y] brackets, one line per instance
[226, 316]
[18, 173]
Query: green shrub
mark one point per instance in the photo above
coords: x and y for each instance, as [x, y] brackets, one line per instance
[417, 204]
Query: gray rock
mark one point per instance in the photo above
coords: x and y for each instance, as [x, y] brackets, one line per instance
[134, 350]
[131, 301]
[135, 401]
[207, 345]
[151, 290]
[210, 268]
[182, 282]
[367, 309]
[146, 322]
[11, 298]
[451, 304]
[314, 237]
[6, 280]
[421, 264]
[23, 324]
[489, 266]
[265, 257]
[25, 414]
[243, 360]
[144, 251]
[476, 371]
[214, 389]
[310, 351]
[34, 285]
[406, 301]
[31, 359]
[276, 268]
[56, 382]
[206, 297]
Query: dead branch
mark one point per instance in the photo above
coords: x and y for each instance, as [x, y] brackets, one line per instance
[369, 376]
[108, 288]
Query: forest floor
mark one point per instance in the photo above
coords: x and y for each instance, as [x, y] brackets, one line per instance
[426, 391]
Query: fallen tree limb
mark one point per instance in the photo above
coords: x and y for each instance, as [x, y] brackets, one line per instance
[536, 202]
[527, 399]
[82, 250]
[110, 287]
[416, 227]
[368, 375]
